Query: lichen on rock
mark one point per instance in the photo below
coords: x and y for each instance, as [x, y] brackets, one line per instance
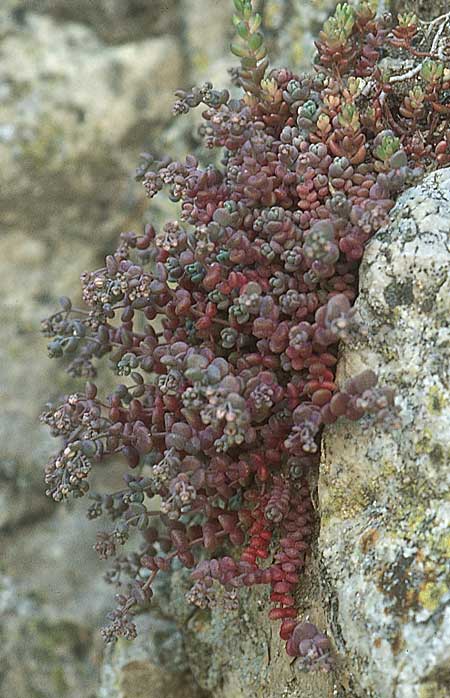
[384, 497]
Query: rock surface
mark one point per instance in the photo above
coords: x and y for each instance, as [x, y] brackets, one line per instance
[41, 655]
[51, 601]
[384, 497]
[154, 665]
[114, 21]
[68, 104]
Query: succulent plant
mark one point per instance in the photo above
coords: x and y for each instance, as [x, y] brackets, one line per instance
[225, 325]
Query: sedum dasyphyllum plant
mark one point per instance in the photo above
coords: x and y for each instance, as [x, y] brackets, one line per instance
[225, 324]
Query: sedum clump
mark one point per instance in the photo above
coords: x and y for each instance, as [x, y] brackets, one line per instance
[223, 327]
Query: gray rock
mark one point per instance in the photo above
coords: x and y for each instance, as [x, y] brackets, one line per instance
[114, 21]
[72, 116]
[385, 511]
[51, 604]
[208, 37]
[239, 654]
[72, 122]
[151, 666]
[291, 27]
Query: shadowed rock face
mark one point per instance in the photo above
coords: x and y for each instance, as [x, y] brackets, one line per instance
[153, 666]
[384, 497]
[114, 21]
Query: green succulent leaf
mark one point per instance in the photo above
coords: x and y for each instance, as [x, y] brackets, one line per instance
[239, 51]
[255, 42]
[242, 30]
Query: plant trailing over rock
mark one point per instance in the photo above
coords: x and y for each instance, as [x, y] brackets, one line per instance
[226, 323]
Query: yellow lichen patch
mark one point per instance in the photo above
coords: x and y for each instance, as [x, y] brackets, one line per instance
[442, 546]
[430, 595]
[436, 400]
[425, 443]
[388, 469]
[416, 519]
[431, 689]
[344, 504]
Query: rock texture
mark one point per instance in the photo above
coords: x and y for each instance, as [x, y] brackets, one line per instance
[384, 497]
[153, 665]
[57, 654]
[68, 104]
[252, 661]
[50, 601]
[114, 21]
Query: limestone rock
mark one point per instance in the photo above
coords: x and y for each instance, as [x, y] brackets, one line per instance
[151, 666]
[238, 653]
[384, 497]
[290, 29]
[73, 112]
[52, 603]
[114, 21]
[208, 37]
